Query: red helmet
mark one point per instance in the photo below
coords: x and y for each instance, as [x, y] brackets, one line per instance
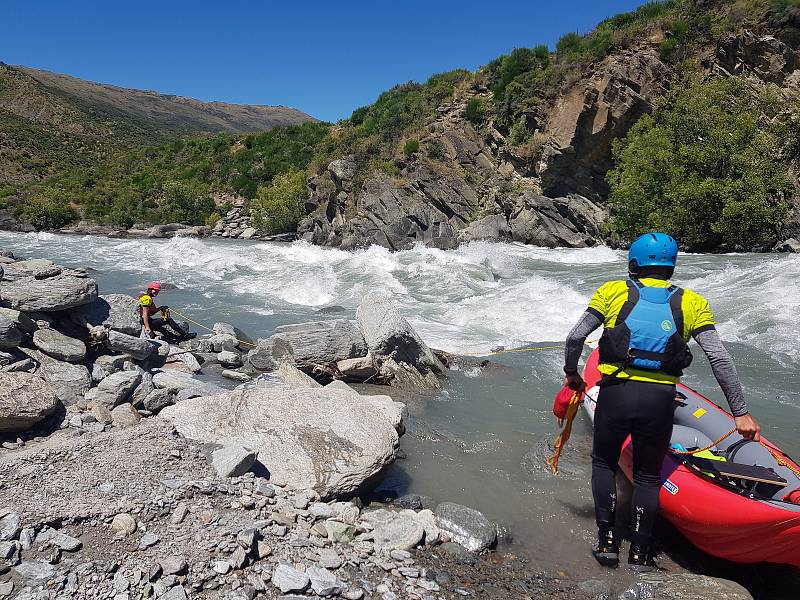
[154, 285]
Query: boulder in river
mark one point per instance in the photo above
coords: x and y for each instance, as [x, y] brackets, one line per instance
[321, 342]
[390, 336]
[49, 294]
[59, 346]
[116, 311]
[25, 399]
[466, 526]
[311, 438]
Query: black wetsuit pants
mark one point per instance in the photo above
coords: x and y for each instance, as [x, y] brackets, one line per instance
[644, 411]
[168, 327]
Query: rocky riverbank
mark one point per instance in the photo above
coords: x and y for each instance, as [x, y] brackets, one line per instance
[130, 470]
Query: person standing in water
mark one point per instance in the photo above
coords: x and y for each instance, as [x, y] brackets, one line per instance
[151, 323]
[643, 352]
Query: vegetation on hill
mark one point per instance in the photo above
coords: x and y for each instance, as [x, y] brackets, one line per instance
[666, 175]
[705, 166]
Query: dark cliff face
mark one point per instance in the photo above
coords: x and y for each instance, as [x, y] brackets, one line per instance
[479, 186]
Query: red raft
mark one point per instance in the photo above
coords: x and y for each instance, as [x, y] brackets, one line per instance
[741, 502]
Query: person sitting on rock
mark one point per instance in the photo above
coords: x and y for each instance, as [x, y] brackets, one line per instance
[165, 325]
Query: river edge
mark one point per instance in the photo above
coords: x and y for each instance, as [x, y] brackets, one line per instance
[534, 576]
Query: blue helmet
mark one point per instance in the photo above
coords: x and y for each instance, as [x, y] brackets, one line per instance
[653, 250]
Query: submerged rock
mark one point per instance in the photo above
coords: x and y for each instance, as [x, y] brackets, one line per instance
[310, 438]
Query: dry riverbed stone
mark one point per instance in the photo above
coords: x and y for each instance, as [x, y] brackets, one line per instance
[59, 346]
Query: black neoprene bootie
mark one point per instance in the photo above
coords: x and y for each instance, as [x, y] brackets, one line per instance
[641, 559]
[607, 553]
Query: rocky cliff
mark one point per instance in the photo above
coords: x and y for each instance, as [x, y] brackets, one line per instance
[469, 182]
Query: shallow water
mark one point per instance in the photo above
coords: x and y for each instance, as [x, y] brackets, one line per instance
[469, 442]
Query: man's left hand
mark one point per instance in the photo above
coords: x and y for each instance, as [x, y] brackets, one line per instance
[574, 381]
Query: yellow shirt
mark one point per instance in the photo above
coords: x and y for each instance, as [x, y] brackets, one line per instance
[608, 301]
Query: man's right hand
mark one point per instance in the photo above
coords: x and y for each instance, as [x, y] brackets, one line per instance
[748, 427]
[574, 380]
[149, 333]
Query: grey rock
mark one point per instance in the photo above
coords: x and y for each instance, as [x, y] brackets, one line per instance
[60, 540]
[573, 221]
[174, 593]
[394, 531]
[389, 335]
[310, 438]
[288, 579]
[175, 381]
[71, 381]
[232, 460]
[138, 348]
[10, 334]
[59, 346]
[10, 526]
[321, 342]
[106, 364]
[25, 400]
[791, 245]
[6, 589]
[466, 526]
[688, 586]
[142, 390]
[50, 294]
[457, 553]
[148, 540]
[229, 359]
[199, 390]
[180, 513]
[222, 341]
[344, 169]
[267, 355]
[323, 582]
[329, 558]
[157, 400]
[117, 387]
[174, 565]
[116, 311]
[190, 360]
[492, 227]
[35, 570]
[23, 321]
[235, 375]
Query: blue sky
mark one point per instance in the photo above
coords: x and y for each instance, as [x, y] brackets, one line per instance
[326, 58]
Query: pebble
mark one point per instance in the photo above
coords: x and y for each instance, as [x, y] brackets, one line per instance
[124, 523]
[179, 514]
[221, 566]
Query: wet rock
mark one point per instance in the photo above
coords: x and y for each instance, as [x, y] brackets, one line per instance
[232, 460]
[25, 400]
[321, 342]
[288, 579]
[10, 334]
[138, 348]
[792, 245]
[684, 586]
[389, 335]
[49, 294]
[310, 438]
[457, 553]
[116, 388]
[116, 311]
[466, 526]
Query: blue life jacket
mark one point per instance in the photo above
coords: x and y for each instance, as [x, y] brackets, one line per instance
[648, 333]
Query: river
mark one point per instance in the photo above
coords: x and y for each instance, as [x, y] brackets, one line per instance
[480, 440]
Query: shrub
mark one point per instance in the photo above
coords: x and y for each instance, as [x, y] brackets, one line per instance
[704, 167]
[46, 211]
[212, 219]
[519, 133]
[474, 111]
[570, 44]
[435, 148]
[411, 147]
[278, 207]
[185, 202]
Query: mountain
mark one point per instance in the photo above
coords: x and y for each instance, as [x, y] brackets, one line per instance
[52, 123]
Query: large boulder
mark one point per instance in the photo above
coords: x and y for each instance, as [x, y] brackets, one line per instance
[138, 348]
[389, 335]
[116, 311]
[25, 399]
[10, 335]
[49, 294]
[116, 388]
[311, 438]
[491, 227]
[71, 381]
[59, 346]
[21, 320]
[320, 342]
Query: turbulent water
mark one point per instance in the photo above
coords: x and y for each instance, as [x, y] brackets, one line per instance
[481, 439]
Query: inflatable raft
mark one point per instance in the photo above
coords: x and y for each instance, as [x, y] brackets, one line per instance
[739, 501]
